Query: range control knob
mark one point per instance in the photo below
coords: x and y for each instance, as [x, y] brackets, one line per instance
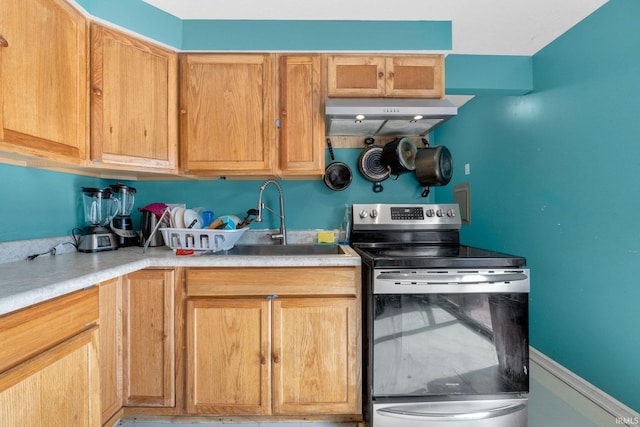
[374, 213]
[440, 213]
[430, 212]
[451, 213]
[364, 213]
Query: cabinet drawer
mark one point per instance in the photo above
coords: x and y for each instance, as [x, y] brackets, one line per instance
[283, 281]
[32, 330]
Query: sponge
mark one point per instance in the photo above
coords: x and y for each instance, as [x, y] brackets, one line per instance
[325, 237]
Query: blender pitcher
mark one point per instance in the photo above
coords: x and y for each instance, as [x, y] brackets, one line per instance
[99, 209]
[124, 194]
[122, 225]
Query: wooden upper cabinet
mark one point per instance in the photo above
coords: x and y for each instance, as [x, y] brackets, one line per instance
[400, 76]
[415, 76]
[228, 117]
[355, 76]
[44, 80]
[134, 99]
[301, 115]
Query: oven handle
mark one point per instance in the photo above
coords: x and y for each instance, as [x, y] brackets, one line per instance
[400, 412]
[470, 278]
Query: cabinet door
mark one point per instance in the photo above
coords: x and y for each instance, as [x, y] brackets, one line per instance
[44, 80]
[419, 76]
[134, 88]
[357, 75]
[316, 366]
[227, 113]
[149, 350]
[110, 347]
[59, 387]
[301, 115]
[228, 363]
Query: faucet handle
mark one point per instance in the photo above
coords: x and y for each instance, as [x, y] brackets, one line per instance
[277, 236]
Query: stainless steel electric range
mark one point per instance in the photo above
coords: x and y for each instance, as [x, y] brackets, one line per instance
[446, 337]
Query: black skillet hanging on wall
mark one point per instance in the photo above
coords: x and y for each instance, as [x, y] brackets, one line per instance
[337, 175]
[434, 166]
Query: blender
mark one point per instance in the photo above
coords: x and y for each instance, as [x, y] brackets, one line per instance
[99, 210]
[122, 225]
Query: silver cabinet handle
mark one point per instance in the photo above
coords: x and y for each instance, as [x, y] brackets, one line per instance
[400, 412]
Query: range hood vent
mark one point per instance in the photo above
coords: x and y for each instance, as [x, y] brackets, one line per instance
[386, 117]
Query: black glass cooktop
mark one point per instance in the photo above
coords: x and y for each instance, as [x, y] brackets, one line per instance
[436, 256]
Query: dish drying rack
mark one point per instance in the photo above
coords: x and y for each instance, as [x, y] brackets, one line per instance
[201, 239]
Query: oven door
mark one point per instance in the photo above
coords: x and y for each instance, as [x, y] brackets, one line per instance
[454, 334]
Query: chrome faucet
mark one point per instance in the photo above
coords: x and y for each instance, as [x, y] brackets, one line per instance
[282, 235]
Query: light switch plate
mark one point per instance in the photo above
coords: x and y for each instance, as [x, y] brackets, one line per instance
[462, 196]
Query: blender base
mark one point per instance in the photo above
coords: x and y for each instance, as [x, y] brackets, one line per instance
[122, 227]
[97, 239]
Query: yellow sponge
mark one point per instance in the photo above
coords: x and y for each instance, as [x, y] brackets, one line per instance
[325, 237]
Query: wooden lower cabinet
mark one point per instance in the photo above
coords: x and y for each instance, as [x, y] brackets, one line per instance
[282, 355]
[228, 362]
[148, 336]
[314, 354]
[60, 384]
[110, 348]
[139, 317]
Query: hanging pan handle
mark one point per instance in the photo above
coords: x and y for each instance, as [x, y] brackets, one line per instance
[333, 159]
[426, 191]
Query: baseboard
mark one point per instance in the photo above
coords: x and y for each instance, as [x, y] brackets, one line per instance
[603, 406]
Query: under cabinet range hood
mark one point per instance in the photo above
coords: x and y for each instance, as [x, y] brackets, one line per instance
[386, 116]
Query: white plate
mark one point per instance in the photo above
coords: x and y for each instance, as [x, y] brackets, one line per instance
[172, 216]
[177, 217]
[191, 216]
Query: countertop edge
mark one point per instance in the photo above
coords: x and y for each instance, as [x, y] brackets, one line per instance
[26, 283]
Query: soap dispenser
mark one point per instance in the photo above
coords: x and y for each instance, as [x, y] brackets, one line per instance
[345, 228]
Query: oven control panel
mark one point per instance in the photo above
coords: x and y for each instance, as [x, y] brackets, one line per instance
[405, 216]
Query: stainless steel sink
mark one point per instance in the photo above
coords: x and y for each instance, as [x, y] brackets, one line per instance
[281, 250]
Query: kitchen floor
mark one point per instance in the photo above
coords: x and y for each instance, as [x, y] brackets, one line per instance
[551, 404]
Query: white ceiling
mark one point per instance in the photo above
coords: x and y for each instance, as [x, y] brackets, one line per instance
[479, 27]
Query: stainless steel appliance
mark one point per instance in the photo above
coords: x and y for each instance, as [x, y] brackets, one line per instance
[445, 332]
[148, 223]
[99, 210]
[386, 116]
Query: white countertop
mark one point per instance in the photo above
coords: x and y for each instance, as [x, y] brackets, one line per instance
[24, 283]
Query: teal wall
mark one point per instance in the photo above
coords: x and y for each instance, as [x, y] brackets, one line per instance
[555, 176]
[37, 203]
[271, 35]
[308, 204]
[465, 74]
